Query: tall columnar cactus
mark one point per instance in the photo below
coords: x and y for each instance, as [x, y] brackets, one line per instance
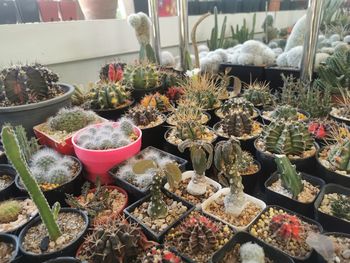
[14, 154]
[9, 211]
[285, 112]
[237, 104]
[227, 158]
[287, 137]
[237, 123]
[339, 155]
[28, 147]
[215, 42]
[142, 76]
[201, 153]
[289, 176]
[157, 208]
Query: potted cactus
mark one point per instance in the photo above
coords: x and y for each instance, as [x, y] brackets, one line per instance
[101, 146]
[238, 103]
[259, 94]
[58, 130]
[187, 111]
[160, 254]
[341, 112]
[8, 248]
[47, 236]
[158, 101]
[284, 112]
[323, 129]
[7, 181]
[112, 72]
[294, 190]
[31, 94]
[194, 186]
[231, 205]
[174, 94]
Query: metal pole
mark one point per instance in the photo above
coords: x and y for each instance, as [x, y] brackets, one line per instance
[153, 13]
[313, 21]
[182, 12]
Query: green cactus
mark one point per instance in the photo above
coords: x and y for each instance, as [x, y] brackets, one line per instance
[258, 93]
[243, 34]
[9, 211]
[14, 154]
[189, 129]
[291, 179]
[237, 124]
[157, 208]
[143, 116]
[215, 41]
[287, 137]
[28, 147]
[237, 104]
[142, 76]
[285, 112]
[127, 126]
[339, 155]
[70, 120]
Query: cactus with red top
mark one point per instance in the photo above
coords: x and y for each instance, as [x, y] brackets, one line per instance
[286, 227]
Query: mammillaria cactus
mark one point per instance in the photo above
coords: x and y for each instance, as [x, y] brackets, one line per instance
[157, 208]
[70, 120]
[252, 253]
[157, 100]
[141, 76]
[9, 211]
[201, 153]
[237, 123]
[27, 83]
[286, 227]
[112, 72]
[143, 116]
[339, 155]
[258, 93]
[287, 137]
[290, 178]
[236, 104]
[226, 159]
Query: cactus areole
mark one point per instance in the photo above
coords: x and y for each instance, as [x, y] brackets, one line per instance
[157, 208]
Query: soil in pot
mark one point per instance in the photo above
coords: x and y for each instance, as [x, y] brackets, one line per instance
[5, 181]
[8, 248]
[337, 205]
[341, 247]
[171, 136]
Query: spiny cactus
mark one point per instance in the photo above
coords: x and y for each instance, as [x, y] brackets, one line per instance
[285, 112]
[107, 95]
[112, 72]
[70, 120]
[201, 153]
[143, 116]
[258, 93]
[158, 254]
[287, 137]
[226, 159]
[156, 100]
[157, 208]
[339, 155]
[237, 123]
[28, 147]
[187, 112]
[237, 104]
[291, 179]
[27, 83]
[189, 129]
[174, 94]
[251, 253]
[286, 227]
[141, 76]
[14, 154]
[9, 211]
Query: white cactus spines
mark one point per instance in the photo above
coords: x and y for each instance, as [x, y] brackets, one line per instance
[142, 25]
[168, 59]
[252, 253]
[294, 57]
[203, 48]
[281, 60]
[296, 37]
[347, 39]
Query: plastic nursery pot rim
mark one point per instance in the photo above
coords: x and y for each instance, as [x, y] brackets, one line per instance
[36, 221]
[250, 138]
[139, 132]
[172, 125]
[317, 157]
[164, 118]
[176, 145]
[10, 239]
[131, 102]
[64, 96]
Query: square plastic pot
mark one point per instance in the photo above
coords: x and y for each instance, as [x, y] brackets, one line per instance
[274, 198]
[10, 190]
[154, 136]
[246, 73]
[336, 234]
[273, 76]
[149, 232]
[329, 222]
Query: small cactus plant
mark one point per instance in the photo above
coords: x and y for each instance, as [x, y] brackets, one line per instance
[143, 116]
[339, 155]
[189, 129]
[9, 211]
[174, 94]
[237, 124]
[156, 100]
[251, 253]
[285, 112]
[258, 93]
[237, 104]
[286, 227]
[201, 153]
[291, 179]
[157, 208]
[158, 254]
[112, 72]
[227, 158]
[141, 76]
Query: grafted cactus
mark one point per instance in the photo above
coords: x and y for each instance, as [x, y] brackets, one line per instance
[141, 76]
[339, 155]
[201, 157]
[287, 137]
[290, 178]
[157, 208]
[285, 112]
[227, 159]
[237, 123]
[143, 116]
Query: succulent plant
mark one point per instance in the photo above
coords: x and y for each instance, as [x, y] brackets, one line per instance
[189, 129]
[237, 123]
[251, 253]
[186, 111]
[285, 112]
[70, 120]
[286, 227]
[156, 100]
[112, 72]
[342, 110]
[247, 160]
[258, 93]
[9, 211]
[107, 95]
[287, 137]
[291, 179]
[28, 147]
[174, 94]
[158, 255]
[141, 76]
[27, 83]
[157, 208]
[340, 207]
[339, 155]
[143, 116]
[237, 104]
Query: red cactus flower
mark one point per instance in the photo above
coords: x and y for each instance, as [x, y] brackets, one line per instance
[286, 226]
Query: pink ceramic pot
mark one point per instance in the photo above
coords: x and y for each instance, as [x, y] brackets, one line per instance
[99, 9]
[98, 162]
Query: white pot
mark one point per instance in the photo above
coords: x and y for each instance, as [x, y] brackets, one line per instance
[226, 191]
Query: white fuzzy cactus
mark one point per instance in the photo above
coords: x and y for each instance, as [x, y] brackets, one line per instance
[142, 25]
[281, 60]
[320, 58]
[347, 39]
[168, 59]
[296, 37]
[251, 253]
[203, 48]
[294, 57]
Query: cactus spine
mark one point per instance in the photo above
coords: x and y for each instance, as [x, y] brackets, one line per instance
[157, 208]
[14, 154]
[290, 178]
[9, 211]
[237, 123]
[285, 112]
[141, 76]
[339, 155]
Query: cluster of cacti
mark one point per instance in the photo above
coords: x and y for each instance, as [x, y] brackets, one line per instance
[339, 155]
[107, 95]
[71, 119]
[157, 208]
[143, 116]
[251, 253]
[290, 178]
[284, 112]
[156, 100]
[112, 72]
[9, 211]
[243, 34]
[157, 255]
[186, 111]
[107, 135]
[258, 93]
[48, 166]
[237, 104]
[189, 129]
[227, 159]
[237, 123]
[27, 83]
[141, 76]
[215, 41]
[287, 137]
[286, 227]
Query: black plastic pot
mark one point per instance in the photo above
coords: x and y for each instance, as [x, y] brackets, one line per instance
[336, 234]
[58, 194]
[273, 75]
[65, 252]
[329, 222]
[10, 190]
[274, 198]
[3, 159]
[213, 117]
[311, 257]
[63, 260]
[206, 113]
[242, 238]
[267, 122]
[134, 192]
[249, 181]
[10, 239]
[245, 73]
[138, 94]
[330, 176]
[150, 234]
[339, 120]
[153, 136]
[113, 114]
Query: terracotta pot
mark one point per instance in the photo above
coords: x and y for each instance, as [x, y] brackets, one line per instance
[99, 9]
